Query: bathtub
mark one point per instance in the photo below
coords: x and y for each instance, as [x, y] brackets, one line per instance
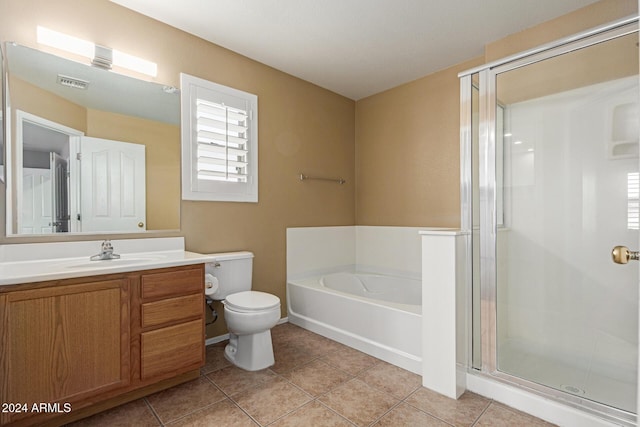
[379, 315]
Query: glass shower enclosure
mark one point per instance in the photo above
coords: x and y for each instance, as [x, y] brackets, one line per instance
[550, 185]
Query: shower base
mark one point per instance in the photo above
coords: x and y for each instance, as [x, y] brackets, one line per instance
[615, 388]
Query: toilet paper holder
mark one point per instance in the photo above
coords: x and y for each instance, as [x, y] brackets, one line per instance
[210, 282]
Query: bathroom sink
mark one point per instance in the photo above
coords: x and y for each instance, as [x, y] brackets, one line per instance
[37, 262]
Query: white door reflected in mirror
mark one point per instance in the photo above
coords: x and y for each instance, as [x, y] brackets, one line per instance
[112, 176]
[36, 201]
[68, 182]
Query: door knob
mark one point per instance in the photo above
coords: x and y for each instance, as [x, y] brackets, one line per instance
[141, 224]
[622, 255]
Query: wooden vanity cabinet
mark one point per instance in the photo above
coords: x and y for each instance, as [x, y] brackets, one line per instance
[86, 342]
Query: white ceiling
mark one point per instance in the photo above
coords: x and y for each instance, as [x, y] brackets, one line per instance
[354, 47]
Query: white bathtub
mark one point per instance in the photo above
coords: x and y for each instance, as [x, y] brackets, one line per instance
[379, 315]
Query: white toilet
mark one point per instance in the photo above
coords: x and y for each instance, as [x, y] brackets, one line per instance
[249, 315]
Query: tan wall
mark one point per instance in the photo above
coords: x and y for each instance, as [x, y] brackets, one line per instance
[407, 138]
[32, 99]
[588, 17]
[603, 62]
[408, 153]
[302, 128]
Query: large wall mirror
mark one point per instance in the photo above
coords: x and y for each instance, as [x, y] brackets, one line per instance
[2, 133]
[88, 150]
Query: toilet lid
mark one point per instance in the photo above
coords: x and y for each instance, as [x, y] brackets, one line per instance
[251, 301]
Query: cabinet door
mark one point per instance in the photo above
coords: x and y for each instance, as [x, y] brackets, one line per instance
[64, 343]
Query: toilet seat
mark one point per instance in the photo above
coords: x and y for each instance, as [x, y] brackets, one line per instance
[251, 301]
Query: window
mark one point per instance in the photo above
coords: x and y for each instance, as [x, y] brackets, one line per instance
[219, 142]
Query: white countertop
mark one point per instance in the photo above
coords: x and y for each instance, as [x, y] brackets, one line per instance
[39, 262]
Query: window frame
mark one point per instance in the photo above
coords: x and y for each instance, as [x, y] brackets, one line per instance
[194, 188]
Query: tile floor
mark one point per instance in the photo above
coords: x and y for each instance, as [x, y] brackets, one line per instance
[315, 382]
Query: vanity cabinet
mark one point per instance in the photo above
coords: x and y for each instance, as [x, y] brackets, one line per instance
[95, 342]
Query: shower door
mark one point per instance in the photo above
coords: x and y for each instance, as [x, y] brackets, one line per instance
[557, 188]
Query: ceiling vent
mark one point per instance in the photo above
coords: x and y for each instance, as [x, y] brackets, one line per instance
[72, 82]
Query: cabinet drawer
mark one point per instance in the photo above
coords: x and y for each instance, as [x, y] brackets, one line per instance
[172, 283]
[172, 350]
[172, 310]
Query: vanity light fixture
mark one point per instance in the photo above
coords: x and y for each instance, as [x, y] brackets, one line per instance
[100, 56]
[103, 57]
[134, 63]
[65, 42]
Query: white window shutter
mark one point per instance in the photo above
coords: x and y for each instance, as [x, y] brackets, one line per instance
[219, 142]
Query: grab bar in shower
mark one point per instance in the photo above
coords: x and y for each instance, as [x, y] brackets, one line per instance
[338, 180]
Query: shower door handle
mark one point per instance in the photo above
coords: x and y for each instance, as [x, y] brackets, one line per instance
[622, 255]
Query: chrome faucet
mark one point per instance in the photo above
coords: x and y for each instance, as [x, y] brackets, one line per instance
[106, 252]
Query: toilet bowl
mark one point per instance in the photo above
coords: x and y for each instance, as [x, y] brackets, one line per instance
[249, 315]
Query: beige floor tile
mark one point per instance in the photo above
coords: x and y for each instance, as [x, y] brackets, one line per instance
[232, 380]
[313, 414]
[181, 400]
[223, 414]
[462, 412]
[358, 402]
[404, 415]
[350, 360]
[134, 413]
[391, 379]
[317, 345]
[287, 332]
[503, 416]
[317, 377]
[214, 358]
[351, 388]
[289, 357]
[271, 399]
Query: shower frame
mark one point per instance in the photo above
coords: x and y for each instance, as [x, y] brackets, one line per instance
[488, 203]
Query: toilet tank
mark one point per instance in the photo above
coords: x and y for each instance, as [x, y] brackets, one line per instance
[233, 271]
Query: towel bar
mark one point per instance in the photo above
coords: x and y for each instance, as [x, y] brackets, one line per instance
[338, 180]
